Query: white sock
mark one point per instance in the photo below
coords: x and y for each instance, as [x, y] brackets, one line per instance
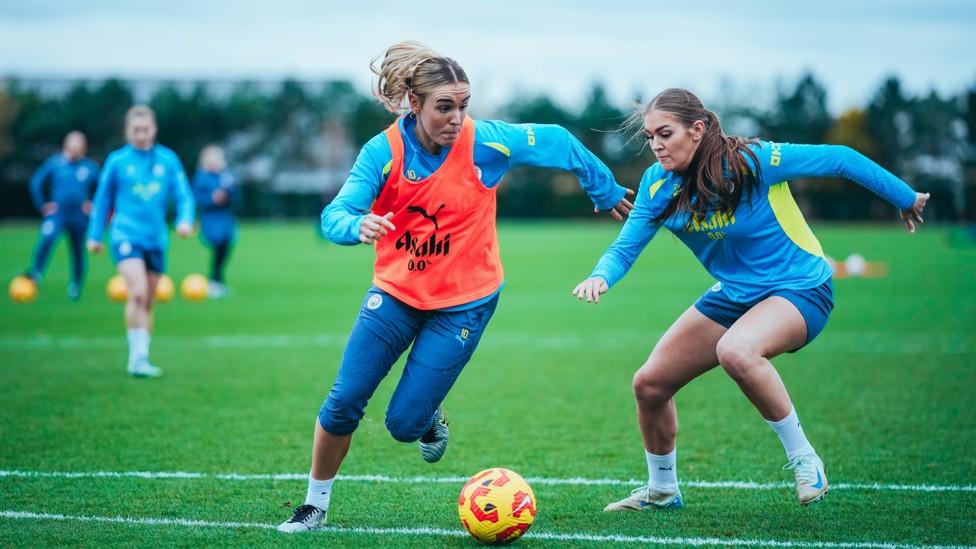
[791, 435]
[138, 343]
[319, 492]
[662, 471]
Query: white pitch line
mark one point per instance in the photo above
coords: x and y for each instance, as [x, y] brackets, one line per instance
[942, 343]
[667, 541]
[732, 484]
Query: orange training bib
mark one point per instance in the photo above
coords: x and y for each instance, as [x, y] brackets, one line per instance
[444, 251]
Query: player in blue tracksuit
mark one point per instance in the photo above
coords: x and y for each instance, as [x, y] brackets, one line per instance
[728, 200]
[218, 196]
[433, 172]
[61, 190]
[137, 182]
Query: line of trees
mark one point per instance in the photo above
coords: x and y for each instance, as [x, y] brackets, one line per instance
[292, 143]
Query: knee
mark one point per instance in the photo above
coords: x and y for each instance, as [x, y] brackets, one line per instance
[649, 389]
[339, 418]
[735, 357]
[407, 429]
[139, 297]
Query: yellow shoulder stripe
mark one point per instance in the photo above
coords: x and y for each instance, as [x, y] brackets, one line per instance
[654, 188]
[500, 148]
[387, 168]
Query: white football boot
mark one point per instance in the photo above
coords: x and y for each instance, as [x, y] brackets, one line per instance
[142, 368]
[811, 478]
[646, 497]
[307, 517]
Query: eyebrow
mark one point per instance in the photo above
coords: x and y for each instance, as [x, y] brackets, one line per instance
[449, 100]
[661, 127]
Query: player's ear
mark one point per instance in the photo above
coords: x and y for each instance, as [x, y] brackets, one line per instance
[697, 130]
[415, 102]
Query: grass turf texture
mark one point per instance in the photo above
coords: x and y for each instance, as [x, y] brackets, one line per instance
[886, 395]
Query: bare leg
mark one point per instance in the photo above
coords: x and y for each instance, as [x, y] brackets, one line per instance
[328, 451]
[686, 351]
[771, 328]
[142, 292]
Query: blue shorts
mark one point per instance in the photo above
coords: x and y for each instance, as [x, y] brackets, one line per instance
[155, 260]
[443, 342]
[814, 304]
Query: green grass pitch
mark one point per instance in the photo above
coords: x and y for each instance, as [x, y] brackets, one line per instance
[887, 394]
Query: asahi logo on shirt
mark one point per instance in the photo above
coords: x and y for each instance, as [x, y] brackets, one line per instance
[426, 248]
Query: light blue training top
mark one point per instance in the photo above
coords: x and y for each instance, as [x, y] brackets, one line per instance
[139, 184]
[498, 147]
[218, 222]
[765, 245]
[68, 184]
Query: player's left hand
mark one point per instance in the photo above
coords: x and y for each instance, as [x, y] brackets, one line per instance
[913, 215]
[622, 209]
[184, 230]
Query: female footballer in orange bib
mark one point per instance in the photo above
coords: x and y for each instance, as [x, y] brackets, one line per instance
[423, 193]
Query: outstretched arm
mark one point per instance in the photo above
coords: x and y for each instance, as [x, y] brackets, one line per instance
[634, 236]
[552, 146]
[785, 161]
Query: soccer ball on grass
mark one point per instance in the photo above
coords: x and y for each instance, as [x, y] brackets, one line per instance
[496, 506]
[195, 287]
[165, 289]
[116, 289]
[22, 289]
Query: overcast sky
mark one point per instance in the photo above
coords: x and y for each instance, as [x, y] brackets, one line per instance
[510, 47]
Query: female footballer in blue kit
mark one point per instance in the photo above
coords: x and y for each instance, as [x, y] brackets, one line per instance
[423, 194]
[727, 199]
[138, 181]
[61, 190]
[217, 195]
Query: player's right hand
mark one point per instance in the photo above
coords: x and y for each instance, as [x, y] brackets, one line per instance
[591, 288]
[94, 246]
[375, 227]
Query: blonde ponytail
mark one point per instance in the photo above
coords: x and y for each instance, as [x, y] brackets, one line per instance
[411, 67]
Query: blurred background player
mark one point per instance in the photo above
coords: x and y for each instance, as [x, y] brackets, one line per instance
[61, 190]
[138, 181]
[728, 200]
[218, 196]
[423, 193]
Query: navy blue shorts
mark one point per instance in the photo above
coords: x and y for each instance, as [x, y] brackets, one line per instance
[443, 342]
[814, 304]
[155, 260]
